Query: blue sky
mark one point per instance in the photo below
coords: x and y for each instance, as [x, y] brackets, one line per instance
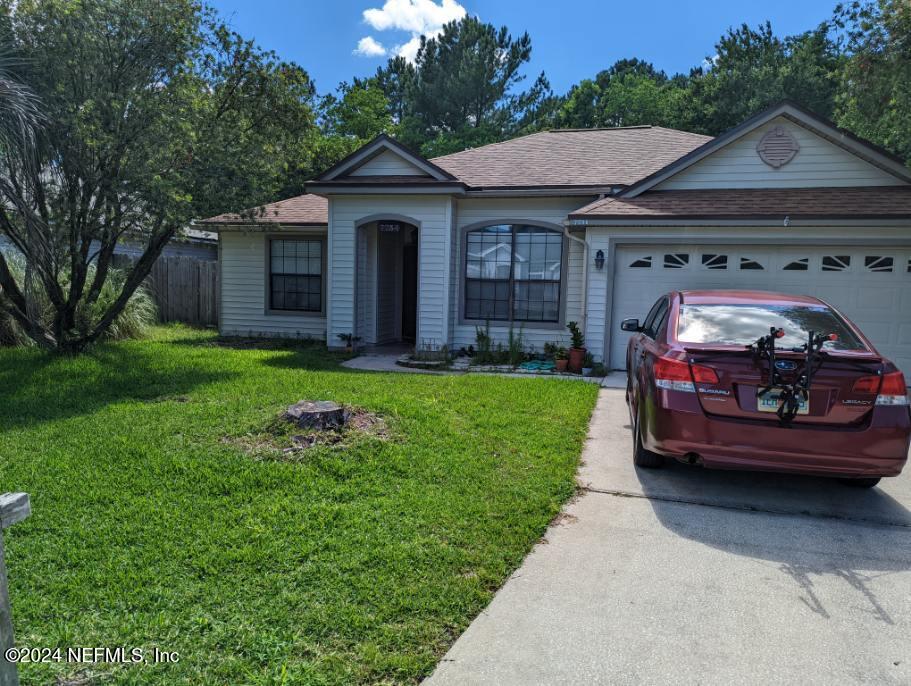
[571, 40]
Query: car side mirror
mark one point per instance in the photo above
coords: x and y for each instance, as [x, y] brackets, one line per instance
[630, 325]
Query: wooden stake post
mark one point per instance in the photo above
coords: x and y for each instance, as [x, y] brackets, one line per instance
[14, 507]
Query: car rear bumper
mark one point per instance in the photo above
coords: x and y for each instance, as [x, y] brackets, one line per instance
[880, 449]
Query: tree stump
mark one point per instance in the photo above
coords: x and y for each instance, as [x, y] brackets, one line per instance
[318, 415]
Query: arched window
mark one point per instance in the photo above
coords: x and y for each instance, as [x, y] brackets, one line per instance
[512, 273]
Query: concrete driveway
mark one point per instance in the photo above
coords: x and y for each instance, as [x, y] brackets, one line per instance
[690, 576]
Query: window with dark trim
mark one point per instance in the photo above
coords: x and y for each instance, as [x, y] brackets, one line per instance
[513, 273]
[655, 318]
[296, 274]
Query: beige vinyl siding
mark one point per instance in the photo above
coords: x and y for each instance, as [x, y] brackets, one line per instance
[553, 210]
[598, 295]
[243, 290]
[387, 163]
[819, 163]
[432, 214]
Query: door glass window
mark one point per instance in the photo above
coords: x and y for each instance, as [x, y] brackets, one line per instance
[655, 318]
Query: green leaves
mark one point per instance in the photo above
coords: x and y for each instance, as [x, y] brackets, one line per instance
[462, 88]
[874, 98]
[156, 114]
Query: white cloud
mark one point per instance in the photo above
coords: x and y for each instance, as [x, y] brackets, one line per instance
[409, 50]
[369, 47]
[417, 17]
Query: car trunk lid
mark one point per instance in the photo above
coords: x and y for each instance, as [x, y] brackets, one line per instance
[835, 396]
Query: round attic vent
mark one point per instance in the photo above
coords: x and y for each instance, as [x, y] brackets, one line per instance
[777, 147]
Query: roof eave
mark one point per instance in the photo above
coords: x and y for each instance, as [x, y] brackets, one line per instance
[763, 219]
[259, 226]
[373, 187]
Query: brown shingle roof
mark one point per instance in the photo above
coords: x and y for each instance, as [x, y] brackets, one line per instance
[309, 210]
[559, 158]
[857, 203]
[571, 157]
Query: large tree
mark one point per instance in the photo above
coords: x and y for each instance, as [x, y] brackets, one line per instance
[874, 99]
[753, 68]
[156, 113]
[630, 92]
[463, 88]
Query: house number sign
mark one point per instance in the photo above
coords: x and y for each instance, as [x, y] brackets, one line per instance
[389, 227]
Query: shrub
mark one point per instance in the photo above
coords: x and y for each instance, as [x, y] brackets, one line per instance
[578, 338]
[139, 314]
[515, 347]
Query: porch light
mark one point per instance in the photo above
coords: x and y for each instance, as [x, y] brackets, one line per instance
[599, 259]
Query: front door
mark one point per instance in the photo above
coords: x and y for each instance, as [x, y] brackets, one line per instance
[409, 292]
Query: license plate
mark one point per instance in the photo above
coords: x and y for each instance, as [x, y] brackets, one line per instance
[771, 401]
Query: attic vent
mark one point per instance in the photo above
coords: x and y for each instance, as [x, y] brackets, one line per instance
[777, 147]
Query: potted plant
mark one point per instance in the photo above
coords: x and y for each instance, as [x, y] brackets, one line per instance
[577, 351]
[587, 363]
[350, 340]
[561, 359]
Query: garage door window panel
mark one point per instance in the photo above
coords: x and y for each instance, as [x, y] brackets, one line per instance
[836, 263]
[747, 263]
[714, 261]
[801, 264]
[878, 263]
[677, 260]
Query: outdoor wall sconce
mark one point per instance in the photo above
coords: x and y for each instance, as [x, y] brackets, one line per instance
[599, 259]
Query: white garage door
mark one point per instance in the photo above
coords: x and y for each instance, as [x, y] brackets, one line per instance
[872, 286]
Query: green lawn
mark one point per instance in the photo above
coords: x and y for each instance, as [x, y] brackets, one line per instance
[355, 563]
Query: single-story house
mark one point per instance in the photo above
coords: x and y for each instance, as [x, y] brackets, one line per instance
[587, 225]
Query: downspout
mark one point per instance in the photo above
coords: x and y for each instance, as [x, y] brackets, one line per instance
[583, 318]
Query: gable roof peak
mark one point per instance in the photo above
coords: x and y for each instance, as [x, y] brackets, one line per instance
[798, 114]
[374, 147]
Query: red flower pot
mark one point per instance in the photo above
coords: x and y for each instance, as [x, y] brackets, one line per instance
[576, 356]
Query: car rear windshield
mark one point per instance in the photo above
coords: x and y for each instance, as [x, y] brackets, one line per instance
[744, 324]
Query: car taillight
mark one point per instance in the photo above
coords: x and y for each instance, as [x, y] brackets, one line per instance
[675, 375]
[866, 384]
[890, 387]
[893, 390]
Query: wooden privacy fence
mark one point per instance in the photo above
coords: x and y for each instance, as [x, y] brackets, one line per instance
[14, 507]
[185, 289]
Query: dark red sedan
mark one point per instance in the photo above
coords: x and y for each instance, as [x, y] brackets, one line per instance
[764, 381]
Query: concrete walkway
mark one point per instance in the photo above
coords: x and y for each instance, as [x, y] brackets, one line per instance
[690, 576]
[382, 362]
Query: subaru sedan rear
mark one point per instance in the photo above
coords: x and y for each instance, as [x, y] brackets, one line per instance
[765, 381]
